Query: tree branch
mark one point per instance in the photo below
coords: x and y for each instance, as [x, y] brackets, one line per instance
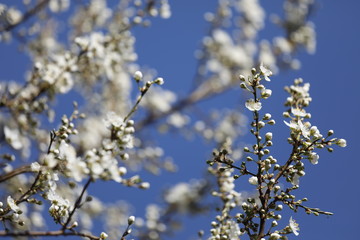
[17, 171]
[47, 234]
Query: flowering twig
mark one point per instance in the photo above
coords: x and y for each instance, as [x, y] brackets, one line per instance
[77, 204]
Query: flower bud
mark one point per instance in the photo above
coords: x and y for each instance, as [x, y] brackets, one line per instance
[271, 122]
[253, 71]
[341, 142]
[286, 114]
[275, 236]
[144, 185]
[159, 81]
[242, 78]
[138, 76]
[267, 116]
[131, 220]
[268, 136]
[103, 235]
[266, 93]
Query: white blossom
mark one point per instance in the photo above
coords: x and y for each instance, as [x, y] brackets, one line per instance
[265, 72]
[158, 99]
[178, 120]
[165, 10]
[295, 180]
[252, 105]
[113, 120]
[314, 157]
[14, 15]
[13, 137]
[253, 180]
[11, 203]
[294, 226]
[299, 126]
[76, 168]
[59, 206]
[298, 112]
[35, 167]
[59, 5]
[183, 195]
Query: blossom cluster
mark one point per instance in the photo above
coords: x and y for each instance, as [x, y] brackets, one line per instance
[264, 170]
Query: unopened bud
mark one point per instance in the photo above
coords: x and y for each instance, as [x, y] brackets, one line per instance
[131, 220]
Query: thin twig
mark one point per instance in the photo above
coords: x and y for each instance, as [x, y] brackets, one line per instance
[77, 203]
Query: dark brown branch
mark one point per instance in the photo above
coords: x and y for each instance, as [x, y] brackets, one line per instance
[15, 172]
[47, 234]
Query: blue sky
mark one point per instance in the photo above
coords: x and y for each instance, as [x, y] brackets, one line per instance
[332, 185]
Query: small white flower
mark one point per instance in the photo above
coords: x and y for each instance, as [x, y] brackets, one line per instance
[294, 226]
[291, 124]
[295, 179]
[298, 112]
[314, 157]
[314, 131]
[304, 129]
[299, 126]
[341, 142]
[253, 180]
[252, 105]
[113, 120]
[35, 167]
[12, 136]
[265, 71]
[12, 204]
